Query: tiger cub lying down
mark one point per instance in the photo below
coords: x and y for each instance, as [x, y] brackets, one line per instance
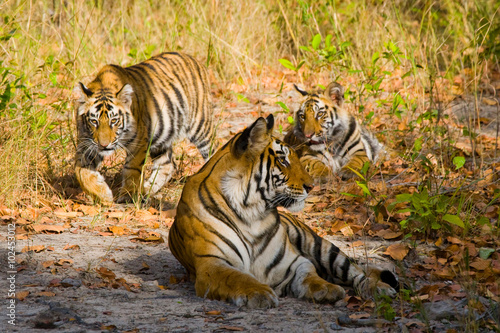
[142, 109]
[239, 248]
[327, 138]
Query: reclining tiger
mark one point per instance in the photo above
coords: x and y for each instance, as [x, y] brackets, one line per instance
[142, 109]
[327, 138]
[237, 246]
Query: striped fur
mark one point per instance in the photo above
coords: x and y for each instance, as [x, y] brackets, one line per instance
[327, 138]
[238, 247]
[141, 108]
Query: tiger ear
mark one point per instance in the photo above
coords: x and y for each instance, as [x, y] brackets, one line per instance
[335, 92]
[254, 138]
[125, 95]
[82, 93]
[301, 91]
[270, 123]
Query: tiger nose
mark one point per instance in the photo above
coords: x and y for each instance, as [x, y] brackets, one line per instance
[308, 135]
[104, 144]
[308, 187]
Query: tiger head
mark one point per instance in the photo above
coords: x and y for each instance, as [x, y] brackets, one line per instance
[321, 117]
[274, 175]
[103, 114]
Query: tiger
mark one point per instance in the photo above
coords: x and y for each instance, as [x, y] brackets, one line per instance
[142, 109]
[238, 247]
[328, 139]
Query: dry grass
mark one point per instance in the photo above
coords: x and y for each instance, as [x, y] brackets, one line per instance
[48, 46]
[430, 53]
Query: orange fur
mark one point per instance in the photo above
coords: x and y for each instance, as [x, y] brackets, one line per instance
[142, 109]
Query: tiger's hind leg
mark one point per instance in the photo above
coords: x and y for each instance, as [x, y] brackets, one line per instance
[333, 265]
[204, 139]
[205, 148]
[162, 171]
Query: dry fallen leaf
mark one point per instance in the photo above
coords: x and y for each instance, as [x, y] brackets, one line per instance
[71, 247]
[117, 215]
[213, 313]
[150, 237]
[48, 229]
[35, 248]
[231, 328]
[339, 213]
[45, 293]
[397, 251]
[87, 210]
[47, 264]
[362, 315]
[21, 295]
[22, 221]
[444, 273]
[357, 243]
[116, 230]
[388, 234]
[63, 262]
[173, 280]
[347, 231]
[144, 215]
[153, 210]
[489, 101]
[108, 327]
[64, 215]
[480, 264]
[105, 273]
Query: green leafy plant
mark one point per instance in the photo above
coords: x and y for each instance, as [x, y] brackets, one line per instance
[324, 54]
[427, 212]
[288, 64]
[384, 307]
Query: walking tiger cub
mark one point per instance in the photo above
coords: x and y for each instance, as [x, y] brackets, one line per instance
[142, 109]
[327, 138]
[239, 248]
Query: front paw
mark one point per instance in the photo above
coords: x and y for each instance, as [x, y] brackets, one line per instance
[262, 298]
[321, 291]
[379, 282]
[93, 183]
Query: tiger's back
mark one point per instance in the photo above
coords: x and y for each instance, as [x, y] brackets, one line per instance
[143, 109]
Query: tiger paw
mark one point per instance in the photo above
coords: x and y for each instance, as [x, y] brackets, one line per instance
[320, 291]
[152, 188]
[382, 288]
[258, 299]
[379, 282]
[94, 184]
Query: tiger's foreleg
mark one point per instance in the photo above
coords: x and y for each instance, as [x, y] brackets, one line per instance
[92, 182]
[333, 265]
[215, 279]
[356, 163]
[162, 171]
[132, 175]
[307, 284]
[316, 168]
